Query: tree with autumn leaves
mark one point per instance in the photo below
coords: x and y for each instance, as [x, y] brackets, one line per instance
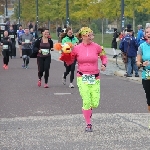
[2, 5]
[83, 11]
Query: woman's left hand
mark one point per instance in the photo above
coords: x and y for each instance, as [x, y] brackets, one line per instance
[103, 68]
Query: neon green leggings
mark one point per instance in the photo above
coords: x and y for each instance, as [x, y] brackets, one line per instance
[90, 93]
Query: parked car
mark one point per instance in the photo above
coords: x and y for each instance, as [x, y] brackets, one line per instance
[110, 31]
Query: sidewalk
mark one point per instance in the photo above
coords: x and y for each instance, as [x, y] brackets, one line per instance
[119, 72]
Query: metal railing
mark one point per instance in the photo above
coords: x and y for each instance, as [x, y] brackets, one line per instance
[119, 65]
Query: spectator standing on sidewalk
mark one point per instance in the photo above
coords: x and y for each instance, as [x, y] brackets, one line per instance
[140, 33]
[143, 60]
[59, 29]
[114, 42]
[30, 25]
[129, 46]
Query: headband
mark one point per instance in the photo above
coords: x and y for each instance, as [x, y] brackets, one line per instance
[85, 30]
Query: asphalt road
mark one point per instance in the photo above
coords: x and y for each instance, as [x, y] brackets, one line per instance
[35, 118]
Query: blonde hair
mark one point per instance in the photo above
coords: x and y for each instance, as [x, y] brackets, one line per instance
[147, 25]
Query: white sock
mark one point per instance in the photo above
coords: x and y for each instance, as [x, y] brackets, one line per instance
[114, 50]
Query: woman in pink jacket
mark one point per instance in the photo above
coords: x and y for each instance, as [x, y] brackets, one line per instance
[88, 78]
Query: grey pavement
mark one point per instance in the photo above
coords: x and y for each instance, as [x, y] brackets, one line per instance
[111, 132]
[33, 118]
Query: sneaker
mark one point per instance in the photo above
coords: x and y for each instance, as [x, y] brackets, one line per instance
[128, 75]
[39, 83]
[136, 75]
[71, 85]
[63, 80]
[88, 128]
[27, 67]
[23, 66]
[4, 66]
[46, 86]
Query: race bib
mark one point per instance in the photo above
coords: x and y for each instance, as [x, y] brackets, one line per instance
[147, 74]
[12, 36]
[2, 27]
[27, 41]
[45, 51]
[5, 46]
[88, 79]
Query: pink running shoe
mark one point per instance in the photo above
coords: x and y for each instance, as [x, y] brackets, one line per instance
[46, 86]
[39, 83]
[4, 66]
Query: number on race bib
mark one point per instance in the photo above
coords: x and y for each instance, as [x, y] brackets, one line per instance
[27, 41]
[88, 79]
[5, 46]
[11, 36]
[45, 51]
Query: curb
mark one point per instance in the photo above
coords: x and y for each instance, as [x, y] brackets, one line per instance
[120, 73]
[114, 60]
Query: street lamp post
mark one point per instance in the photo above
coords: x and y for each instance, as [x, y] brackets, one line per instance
[37, 13]
[67, 13]
[122, 15]
[6, 8]
[19, 12]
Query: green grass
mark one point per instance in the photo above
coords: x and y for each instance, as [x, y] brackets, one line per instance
[107, 38]
[98, 39]
[54, 36]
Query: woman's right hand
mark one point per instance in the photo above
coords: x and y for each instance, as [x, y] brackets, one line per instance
[146, 63]
[40, 51]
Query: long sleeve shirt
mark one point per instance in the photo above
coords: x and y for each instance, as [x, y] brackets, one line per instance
[28, 39]
[87, 57]
[6, 43]
[129, 45]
